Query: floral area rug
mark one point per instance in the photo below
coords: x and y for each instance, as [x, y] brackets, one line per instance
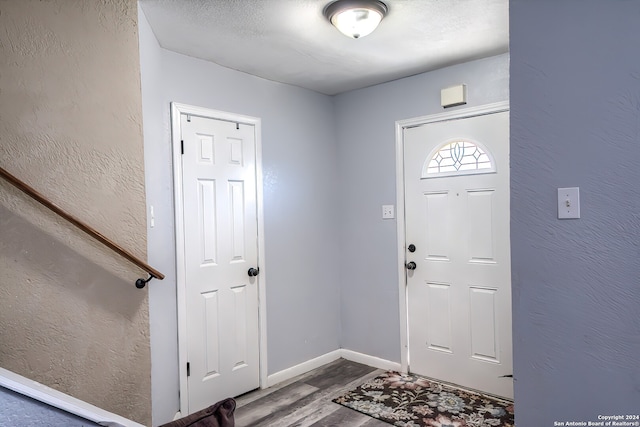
[412, 401]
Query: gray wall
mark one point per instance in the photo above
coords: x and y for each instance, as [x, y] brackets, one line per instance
[365, 123]
[163, 327]
[300, 200]
[329, 164]
[575, 121]
[575, 103]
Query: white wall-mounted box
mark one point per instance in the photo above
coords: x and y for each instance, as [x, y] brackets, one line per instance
[453, 96]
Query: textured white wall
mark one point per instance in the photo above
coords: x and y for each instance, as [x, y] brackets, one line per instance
[70, 126]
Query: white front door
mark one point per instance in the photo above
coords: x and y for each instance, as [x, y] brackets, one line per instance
[457, 234]
[220, 248]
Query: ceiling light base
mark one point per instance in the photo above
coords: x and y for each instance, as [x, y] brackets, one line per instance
[355, 18]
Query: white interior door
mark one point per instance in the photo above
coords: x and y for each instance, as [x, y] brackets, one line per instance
[457, 219]
[220, 246]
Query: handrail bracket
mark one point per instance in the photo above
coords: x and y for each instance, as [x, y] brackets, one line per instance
[141, 283]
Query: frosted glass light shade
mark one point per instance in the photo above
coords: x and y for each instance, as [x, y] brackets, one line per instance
[356, 18]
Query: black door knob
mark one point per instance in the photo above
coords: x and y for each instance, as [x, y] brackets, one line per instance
[411, 265]
[253, 272]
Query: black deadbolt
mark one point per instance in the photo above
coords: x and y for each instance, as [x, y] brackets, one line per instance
[412, 248]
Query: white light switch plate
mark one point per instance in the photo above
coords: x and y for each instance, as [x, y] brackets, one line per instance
[569, 203]
[388, 212]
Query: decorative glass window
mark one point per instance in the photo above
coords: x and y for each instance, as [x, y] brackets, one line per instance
[458, 157]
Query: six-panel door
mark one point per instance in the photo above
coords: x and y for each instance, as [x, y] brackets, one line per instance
[220, 221]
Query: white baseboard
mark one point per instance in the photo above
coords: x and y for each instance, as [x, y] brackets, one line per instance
[309, 365]
[372, 361]
[302, 368]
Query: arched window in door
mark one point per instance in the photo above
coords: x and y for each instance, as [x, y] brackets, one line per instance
[458, 157]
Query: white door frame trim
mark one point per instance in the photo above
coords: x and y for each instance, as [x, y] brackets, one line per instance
[401, 125]
[176, 110]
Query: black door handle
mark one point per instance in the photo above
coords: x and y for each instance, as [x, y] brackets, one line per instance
[411, 265]
[253, 272]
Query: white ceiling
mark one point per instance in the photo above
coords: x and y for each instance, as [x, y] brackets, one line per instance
[290, 41]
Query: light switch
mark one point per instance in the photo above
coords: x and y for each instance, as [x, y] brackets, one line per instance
[569, 203]
[388, 212]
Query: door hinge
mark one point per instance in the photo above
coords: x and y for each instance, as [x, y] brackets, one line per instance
[188, 369]
[182, 146]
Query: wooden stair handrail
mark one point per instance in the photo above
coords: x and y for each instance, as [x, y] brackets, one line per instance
[35, 195]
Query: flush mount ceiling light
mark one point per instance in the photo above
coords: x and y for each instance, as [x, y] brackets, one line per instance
[355, 18]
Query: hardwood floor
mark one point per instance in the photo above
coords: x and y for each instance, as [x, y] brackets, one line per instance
[305, 401]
